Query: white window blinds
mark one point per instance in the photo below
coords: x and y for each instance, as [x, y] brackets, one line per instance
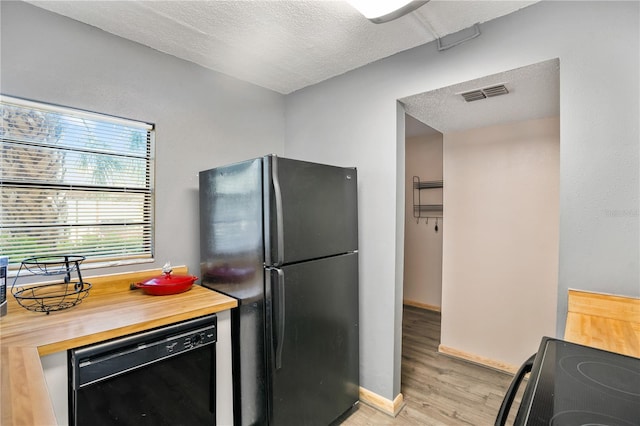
[73, 182]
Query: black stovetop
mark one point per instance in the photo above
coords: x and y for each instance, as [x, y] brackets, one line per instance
[574, 385]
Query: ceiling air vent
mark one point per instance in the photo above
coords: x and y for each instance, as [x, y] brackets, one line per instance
[474, 95]
[487, 92]
[495, 91]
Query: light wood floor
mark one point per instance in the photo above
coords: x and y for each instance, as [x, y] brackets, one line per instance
[437, 389]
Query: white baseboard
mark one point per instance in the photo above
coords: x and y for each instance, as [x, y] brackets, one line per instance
[391, 408]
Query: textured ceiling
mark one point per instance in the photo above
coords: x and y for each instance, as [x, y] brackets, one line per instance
[283, 45]
[534, 92]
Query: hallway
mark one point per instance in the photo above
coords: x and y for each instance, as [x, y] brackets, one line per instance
[437, 389]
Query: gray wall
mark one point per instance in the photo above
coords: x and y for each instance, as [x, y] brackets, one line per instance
[203, 119]
[352, 120]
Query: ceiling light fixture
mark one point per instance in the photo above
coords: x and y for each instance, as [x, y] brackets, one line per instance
[379, 11]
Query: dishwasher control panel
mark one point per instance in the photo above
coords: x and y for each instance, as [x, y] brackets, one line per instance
[191, 340]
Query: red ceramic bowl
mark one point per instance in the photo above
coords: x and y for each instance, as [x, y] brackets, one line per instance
[166, 284]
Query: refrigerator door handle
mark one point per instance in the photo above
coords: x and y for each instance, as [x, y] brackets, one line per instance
[279, 260]
[280, 319]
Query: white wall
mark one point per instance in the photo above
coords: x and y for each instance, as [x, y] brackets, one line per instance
[500, 249]
[352, 120]
[422, 285]
[203, 119]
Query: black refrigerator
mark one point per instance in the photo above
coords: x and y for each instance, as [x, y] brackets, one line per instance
[281, 236]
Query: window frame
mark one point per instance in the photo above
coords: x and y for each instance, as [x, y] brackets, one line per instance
[147, 237]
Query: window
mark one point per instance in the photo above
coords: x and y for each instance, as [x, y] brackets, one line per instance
[73, 182]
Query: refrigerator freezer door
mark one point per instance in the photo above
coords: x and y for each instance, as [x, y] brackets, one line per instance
[311, 210]
[314, 379]
[231, 229]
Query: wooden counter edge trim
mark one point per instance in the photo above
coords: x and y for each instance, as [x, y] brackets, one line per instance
[64, 345]
[380, 403]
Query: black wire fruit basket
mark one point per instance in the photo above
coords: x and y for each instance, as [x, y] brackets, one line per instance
[51, 297]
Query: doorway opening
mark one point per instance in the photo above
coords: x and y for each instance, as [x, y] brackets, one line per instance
[424, 224]
[500, 216]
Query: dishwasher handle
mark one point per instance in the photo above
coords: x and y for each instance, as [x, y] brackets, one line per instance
[503, 413]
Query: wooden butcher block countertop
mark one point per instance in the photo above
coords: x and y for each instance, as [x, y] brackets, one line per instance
[604, 321]
[111, 310]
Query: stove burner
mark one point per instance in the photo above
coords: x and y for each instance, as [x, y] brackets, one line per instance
[604, 376]
[586, 418]
[611, 376]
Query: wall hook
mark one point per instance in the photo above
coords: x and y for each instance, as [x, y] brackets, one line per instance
[436, 228]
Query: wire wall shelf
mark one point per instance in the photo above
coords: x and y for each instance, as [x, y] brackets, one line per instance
[423, 210]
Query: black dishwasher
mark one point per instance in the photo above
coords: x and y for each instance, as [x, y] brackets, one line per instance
[164, 376]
